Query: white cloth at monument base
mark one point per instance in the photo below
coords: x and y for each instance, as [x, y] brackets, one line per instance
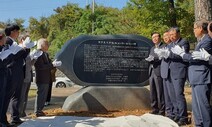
[146, 120]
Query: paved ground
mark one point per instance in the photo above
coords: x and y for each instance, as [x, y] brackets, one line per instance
[58, 97]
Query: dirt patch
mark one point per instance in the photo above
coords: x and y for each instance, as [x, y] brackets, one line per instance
[51, 111]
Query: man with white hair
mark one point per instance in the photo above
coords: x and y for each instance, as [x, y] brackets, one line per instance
[43, 66]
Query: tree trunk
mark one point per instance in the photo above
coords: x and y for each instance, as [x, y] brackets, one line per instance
[203, 9]
[173, 18]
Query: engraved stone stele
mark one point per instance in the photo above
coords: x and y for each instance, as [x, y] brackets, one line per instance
[106, 60]
[104, 64]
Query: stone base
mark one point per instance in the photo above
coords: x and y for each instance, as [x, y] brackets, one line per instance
[108, 98]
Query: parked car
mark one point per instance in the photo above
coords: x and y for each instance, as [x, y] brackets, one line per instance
[63, 82]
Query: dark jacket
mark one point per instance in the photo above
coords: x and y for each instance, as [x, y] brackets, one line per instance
[199, 71]
[165, 63]
[155, 65]
[4, 71]
[17, 65]
[6, 61]
[53, 71]
[210, 61]
[178, 67]
[43, 68]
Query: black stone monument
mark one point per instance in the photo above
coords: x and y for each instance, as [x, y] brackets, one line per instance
[112, 69]
[106, 60]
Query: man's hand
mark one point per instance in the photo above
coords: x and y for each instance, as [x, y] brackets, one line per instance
[157, 51]
[178, 50]
[150, 58]
[201, 55]
[35, 54]
[28, 43]
[162, 53]
[57, 63]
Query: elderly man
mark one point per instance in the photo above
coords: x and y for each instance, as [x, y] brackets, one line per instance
[199, 74]
[43, 66]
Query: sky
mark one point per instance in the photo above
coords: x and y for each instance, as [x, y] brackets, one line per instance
[10, 9]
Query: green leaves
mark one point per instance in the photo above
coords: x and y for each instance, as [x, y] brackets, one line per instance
[138, 17]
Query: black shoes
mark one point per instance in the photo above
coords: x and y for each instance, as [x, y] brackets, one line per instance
[7, 124]
[40, 114]
[154, 112]
[16, 122]
[176, 119]
[181, 123]
[157, 113]
[161, 113]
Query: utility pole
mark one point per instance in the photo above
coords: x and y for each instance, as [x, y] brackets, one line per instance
[93, 4]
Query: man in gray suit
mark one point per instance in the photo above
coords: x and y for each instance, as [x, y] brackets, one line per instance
[169, 93]
[178, 74]
[203, 54]
[199, 75]
[155, 80]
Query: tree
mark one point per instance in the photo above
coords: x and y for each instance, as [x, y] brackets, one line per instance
[172, 12]
[2, 25]
[39, 29]
[203, 9]
[151, 15]
[17, 21]
[185, 18]
[107, 20]
[20, 22]
[138, 17]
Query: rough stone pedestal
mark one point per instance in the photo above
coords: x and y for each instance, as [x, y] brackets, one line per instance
[108, 98]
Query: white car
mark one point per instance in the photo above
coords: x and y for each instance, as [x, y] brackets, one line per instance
[63, 82]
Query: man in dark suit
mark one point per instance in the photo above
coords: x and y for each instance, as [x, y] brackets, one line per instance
[17, 69]
[199, 75]
[169, 92]
[203, 54]
[155, 80]
[4, 75]
[43, 66]
[178, 73]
